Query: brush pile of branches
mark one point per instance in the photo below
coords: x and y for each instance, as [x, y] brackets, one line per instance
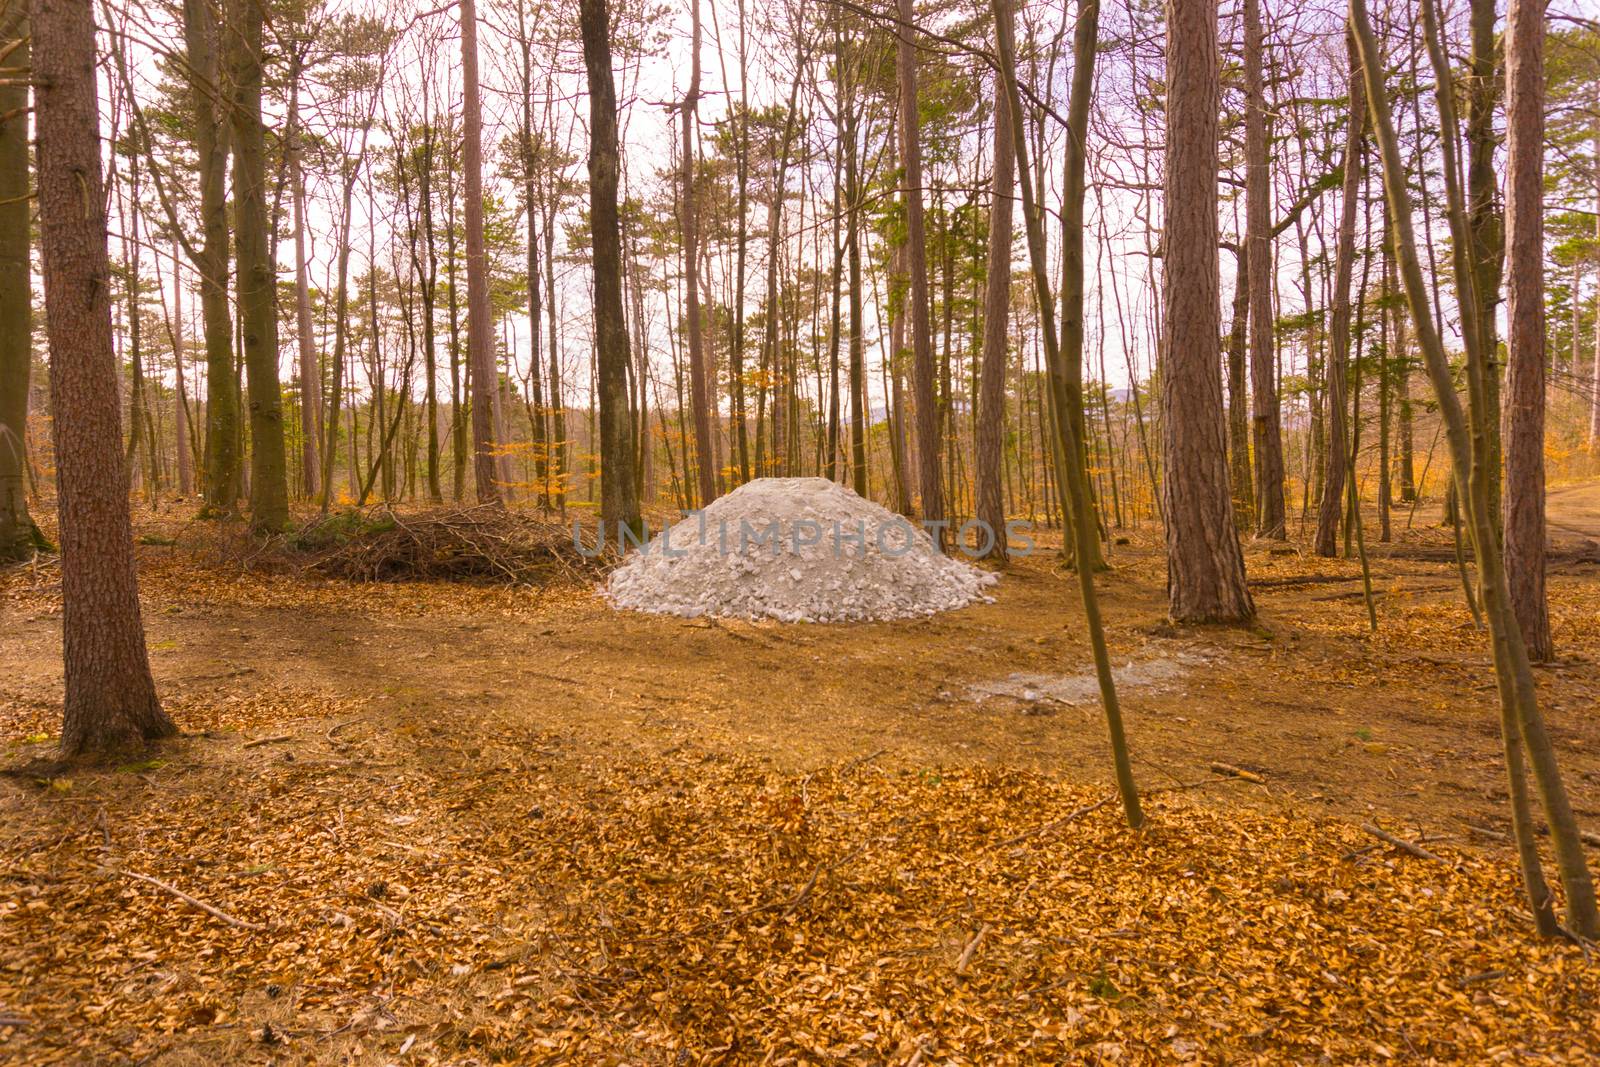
[483, 545]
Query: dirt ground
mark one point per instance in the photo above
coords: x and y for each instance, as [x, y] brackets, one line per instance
[358, 700]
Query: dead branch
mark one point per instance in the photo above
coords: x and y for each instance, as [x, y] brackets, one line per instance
[1401, 843]
[1076, 813]
[971, 950]
[483, 544]
[1228, 770]
[231, 920]
[258, 742]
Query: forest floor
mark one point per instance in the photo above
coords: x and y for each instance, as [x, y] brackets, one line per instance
[467, 825]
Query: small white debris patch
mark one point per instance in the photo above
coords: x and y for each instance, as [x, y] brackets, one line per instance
[1078, 689]
[795, 550]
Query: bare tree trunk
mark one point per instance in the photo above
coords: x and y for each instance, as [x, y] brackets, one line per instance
[222, 456]
[929, 479]
[310, 365]
[736, 356]
[619, 499]
[1335, 462]
[1594, 379]
[1405, 436]
[1205, 567]
[1240, 475]
[991, 413]
[858, 357]
[480, 326]
[1525, 325]
[131, 247]
[1085, 42]
[181, 407]
[559, 461]
[257, 276]
[1522, 724]
[18, 535]
[896, 391]
[341, 333]
[111, 698]
[699, 393]
[1487, 230]
[1067, 443]
[428, 271]
[1270, 517]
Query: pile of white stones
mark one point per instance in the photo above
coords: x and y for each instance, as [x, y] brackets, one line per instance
[795, 550]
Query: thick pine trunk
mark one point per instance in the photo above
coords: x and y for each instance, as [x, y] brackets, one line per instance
[990, 433]
[929, 480]
[619, 500]
[257, 277]
[1525, 326]
[111, 698]
[222, 451]
[17, 532]
[1270, 517]
[1205, 567]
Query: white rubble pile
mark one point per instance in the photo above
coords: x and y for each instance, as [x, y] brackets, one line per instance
[795, 550]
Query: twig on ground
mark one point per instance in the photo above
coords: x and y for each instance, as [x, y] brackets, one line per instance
[336, 727]
[231, 920]
[1076, 813]
[1401, 843]
[1228, 770]
[971, 950]
[258, 742]
[860, 761]
[1486, 976]
[1484, 831]
[811, 883]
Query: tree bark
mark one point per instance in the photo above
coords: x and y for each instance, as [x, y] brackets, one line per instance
[480, 326]
[929, 480]
[257, 278]
[1487, 230]
[1270, 516]
[310, 365]
[858, 360]
[1523, 519]
[222, 456]
[699, 391]
[1085, 42]
[1239, 462]
[990, 434]
[111, 698]
[619, 500]
[1337, 439]
[736, 355]
[18, 535]
[181, 405]
[1522, 723]
[1205, 567]
[1067, 445]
